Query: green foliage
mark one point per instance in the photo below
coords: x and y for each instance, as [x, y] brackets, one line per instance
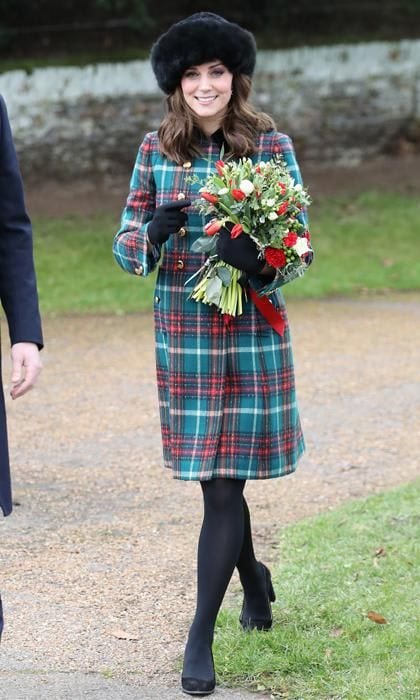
[361, 245]
[46, 27]
[48, 12]
[334, 570]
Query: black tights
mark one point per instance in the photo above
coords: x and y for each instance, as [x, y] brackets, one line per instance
[225, 542]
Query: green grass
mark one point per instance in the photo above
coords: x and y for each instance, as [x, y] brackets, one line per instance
[80, 59]
[362, 244]
[77, 272]
[322, 645]
[368, 243]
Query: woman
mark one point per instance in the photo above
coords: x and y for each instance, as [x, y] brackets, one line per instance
[226, 392]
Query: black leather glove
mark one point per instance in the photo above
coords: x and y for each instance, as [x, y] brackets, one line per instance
[167, 219]
[240, 252]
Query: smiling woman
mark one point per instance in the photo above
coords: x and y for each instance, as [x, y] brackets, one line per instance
[226, 389]
[207, 90]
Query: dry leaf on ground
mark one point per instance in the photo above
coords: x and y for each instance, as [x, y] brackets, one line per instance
[375, 617]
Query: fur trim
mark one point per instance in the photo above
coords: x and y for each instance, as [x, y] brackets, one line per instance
[201, 38]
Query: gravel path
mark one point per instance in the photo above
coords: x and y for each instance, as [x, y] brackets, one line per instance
[97, 562]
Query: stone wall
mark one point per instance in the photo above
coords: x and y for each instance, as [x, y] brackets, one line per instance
[340, 104]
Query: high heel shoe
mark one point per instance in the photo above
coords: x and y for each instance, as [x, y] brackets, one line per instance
[197, 686]
[249, 621]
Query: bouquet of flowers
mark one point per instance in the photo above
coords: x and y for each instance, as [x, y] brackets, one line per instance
[262, 201]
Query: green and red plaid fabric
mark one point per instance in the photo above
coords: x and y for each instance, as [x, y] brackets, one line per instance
[226, 392]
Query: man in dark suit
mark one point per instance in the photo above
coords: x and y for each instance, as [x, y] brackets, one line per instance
[18, 295]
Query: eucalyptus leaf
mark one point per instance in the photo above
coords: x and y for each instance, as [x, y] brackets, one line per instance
[214, 290]
[224, 275]
[204, 244]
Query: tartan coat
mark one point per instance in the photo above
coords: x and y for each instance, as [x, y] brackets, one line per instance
[18, 291]
[226, 393]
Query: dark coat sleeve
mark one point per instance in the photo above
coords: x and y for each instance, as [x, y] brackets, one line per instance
[18, 291]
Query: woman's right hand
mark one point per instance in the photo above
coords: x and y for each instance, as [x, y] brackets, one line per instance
[167, 219]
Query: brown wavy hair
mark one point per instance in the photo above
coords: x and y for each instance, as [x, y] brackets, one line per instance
[178, 137]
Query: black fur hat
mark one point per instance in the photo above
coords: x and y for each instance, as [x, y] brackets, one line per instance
[201, 38]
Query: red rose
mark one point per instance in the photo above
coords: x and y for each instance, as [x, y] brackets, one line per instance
[213, 227]
[258, 169]
[275, 257]
[236, 231]
[219, 166]
[209, 197]
[282, 187]
[283, 208]
[290, 239]
[238, 195]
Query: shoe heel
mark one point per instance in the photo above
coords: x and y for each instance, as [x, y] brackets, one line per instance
[271, 592]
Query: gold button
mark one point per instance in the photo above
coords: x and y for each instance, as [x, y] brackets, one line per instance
[186, 165]
[182, 231]
[139, 270]
[180, 264]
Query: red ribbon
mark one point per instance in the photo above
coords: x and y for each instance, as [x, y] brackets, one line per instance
[272, 315]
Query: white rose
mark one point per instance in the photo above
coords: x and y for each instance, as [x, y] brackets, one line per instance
[246, 187]
[223, 191]
[272, 216]
[301, 246]
[262, 219]
[270, 203]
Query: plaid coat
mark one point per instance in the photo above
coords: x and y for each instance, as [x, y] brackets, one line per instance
[226, 393]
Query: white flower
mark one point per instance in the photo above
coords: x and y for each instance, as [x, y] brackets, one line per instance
[223, 191]
[272, 216]
[270, 203]
[301, 246]
[262, 164]
[262, 219]
[298, 188]
[246, 187]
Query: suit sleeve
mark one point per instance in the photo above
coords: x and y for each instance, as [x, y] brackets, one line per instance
[130, 246]
[18, 290]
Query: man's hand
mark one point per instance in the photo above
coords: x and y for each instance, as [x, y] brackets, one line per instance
[26, 365]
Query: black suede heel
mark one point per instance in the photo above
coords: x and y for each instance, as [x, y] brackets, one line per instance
[196, 686]
[250, 622]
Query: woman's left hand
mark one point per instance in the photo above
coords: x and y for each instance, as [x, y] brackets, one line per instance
[240, 252]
